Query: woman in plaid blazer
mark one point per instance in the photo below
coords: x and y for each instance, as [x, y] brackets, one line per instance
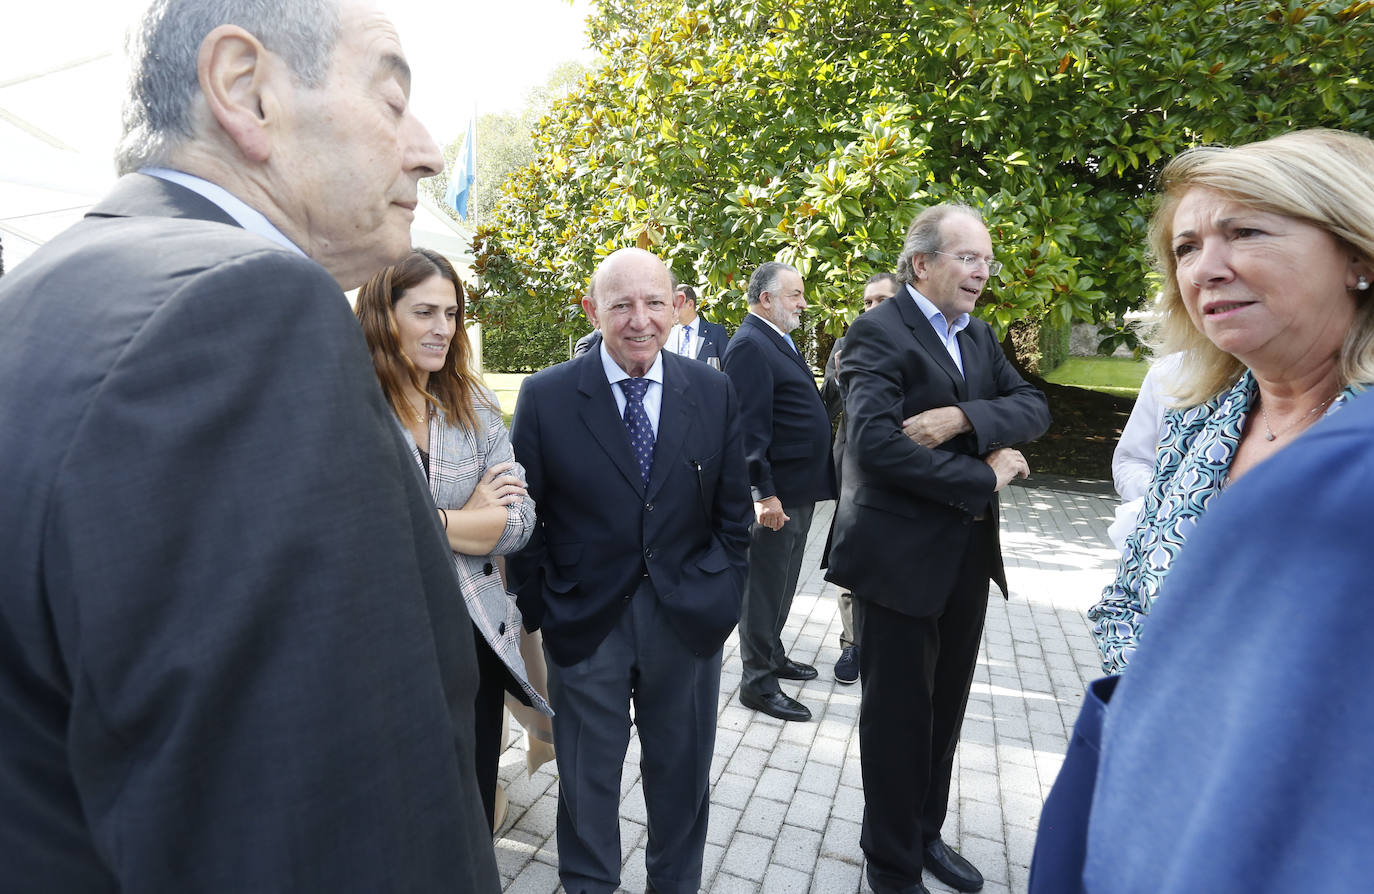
[412, 318]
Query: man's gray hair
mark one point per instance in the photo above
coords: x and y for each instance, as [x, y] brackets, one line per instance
[765, 279]
[923, 236]
[163, 48]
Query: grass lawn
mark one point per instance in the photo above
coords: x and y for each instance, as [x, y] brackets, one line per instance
[1120, 376]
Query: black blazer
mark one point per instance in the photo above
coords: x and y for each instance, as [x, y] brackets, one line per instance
[905, 512]
[786, 429]
[601, 532]
[233, 654]
[713, 339]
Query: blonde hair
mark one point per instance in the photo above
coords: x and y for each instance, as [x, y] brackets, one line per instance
[1319, 176]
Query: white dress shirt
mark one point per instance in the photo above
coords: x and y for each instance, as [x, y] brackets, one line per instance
[947, 332]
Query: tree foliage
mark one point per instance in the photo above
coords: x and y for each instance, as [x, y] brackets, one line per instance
[723, 133]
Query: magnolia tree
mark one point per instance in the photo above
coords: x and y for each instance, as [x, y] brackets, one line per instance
[725, 133]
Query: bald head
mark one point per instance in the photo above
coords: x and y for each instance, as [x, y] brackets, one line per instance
[633, 303]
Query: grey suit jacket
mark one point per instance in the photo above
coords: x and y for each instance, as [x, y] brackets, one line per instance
[232, 653]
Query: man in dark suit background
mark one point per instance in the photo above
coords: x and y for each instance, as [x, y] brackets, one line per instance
[233, 655]
[787, 448]
[933, 409]
[879, 288]
[695, 336]
[634, 458]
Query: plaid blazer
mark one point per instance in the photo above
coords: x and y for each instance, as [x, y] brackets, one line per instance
[457, 459]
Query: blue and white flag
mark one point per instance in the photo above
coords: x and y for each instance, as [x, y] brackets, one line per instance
[464, 173]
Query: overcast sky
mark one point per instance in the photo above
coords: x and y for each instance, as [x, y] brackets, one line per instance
[466, 54]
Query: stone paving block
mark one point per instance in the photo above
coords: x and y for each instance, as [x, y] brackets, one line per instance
[849, 803]
[809, 811]
[785, 880]
[788, 756]
[820, 779]
[988, 855]
[776, 784]
[763, 817]
[762, 736]
[721, 824]
[747, 856]
[733, 790]
[797, 847]
[980, 819]
[841, 840]
[828, 751]
[633, 875]
[514, 850]
[724, 883]
[537, 878]
[979, 786]
[836, 877]
[747, 761]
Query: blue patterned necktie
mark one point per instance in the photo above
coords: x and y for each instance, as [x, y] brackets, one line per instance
[686, 349]
[637, 424]
[791, 344]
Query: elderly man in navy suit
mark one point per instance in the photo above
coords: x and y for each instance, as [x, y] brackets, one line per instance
[634, 458]
[233, 653]
[787, 447]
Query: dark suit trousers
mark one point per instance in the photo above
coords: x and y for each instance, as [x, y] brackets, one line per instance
[916, 674]
[775, 559]
[675, 696]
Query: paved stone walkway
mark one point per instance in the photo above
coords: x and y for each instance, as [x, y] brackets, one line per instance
[787, 799]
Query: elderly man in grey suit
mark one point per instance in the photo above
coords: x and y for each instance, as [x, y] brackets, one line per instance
[233, 654]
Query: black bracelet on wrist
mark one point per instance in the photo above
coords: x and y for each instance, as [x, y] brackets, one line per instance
[444, 516]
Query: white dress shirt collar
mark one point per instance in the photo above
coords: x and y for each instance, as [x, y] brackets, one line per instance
[653, 396]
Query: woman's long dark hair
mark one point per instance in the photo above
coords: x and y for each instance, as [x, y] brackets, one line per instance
[456, 386]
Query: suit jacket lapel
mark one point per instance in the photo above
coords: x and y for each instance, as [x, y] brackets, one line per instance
[778, 341]
[599, 414]
[926, 337]
[672, 424]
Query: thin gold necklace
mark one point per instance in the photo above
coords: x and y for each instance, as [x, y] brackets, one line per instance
[1271, 435]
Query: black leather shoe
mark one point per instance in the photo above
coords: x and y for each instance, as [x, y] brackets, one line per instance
[795, 670]
[880, 887]
[775, 704]
[944, 863]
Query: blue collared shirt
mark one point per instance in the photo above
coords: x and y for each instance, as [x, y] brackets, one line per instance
[244, 215]
[947, 332]
[653, 395]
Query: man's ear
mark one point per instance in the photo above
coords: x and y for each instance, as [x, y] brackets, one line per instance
[679, 299]
[234, 70]
[589, 308]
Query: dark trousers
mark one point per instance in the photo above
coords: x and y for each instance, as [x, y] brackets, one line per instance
[674, 693]
[916, 674]
[488, 713]
[775, 559]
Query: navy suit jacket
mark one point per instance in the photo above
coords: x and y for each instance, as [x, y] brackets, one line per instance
[713, 339]
[898, 492]
[602, 532]
[233, 653]
[786, 427]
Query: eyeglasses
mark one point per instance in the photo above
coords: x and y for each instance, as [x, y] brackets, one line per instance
[971, 261]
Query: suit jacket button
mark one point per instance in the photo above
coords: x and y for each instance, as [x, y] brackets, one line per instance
[649, 553]
[648, 507]
[501, 628]
[488, 568]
